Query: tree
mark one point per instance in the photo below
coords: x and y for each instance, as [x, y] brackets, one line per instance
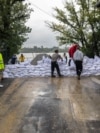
[79, 21]
[13, 31]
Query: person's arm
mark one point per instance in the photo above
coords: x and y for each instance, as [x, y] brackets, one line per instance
[82, 56]
[59, 56]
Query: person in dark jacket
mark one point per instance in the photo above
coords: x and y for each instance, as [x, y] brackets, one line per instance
[65, 57]
[54, 63]
[13, 59]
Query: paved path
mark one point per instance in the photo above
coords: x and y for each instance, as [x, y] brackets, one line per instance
[50, 105]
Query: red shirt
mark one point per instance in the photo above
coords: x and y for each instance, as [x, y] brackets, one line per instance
[72, 50]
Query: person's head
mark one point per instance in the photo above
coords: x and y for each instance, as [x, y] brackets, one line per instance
[21, 54]
[56, 51]
[14, 56]
[64, 54]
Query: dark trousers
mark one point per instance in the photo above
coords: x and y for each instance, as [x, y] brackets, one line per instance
[54, 65]
[69, 62]
[79, 67]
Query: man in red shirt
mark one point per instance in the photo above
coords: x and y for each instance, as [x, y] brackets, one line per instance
[71, 52]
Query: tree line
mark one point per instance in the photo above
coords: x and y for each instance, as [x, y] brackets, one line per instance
[36, 49]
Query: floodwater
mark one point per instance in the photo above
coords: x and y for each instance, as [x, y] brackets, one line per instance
[33, 55]
[50, 105]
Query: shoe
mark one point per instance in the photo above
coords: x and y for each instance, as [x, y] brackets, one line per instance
[2, 78]
[53, 76]
[78, 77]
[1, 86]
[60, 75]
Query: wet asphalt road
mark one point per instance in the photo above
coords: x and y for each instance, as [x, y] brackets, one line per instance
[50, 105]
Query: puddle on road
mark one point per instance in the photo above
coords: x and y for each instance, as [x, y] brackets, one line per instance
[39, 93]
[42, 93]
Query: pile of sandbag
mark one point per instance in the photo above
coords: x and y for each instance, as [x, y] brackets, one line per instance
[43, 68]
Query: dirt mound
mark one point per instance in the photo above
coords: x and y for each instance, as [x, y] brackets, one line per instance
[37, 58]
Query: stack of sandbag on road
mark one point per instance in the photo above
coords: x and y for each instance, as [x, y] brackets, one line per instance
[43, 68]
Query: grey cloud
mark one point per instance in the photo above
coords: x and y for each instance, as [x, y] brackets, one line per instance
[41, 35]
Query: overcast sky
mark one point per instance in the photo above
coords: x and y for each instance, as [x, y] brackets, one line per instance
[41, 34]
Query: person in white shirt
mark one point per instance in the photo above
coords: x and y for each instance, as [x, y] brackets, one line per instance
[78, 59]
[54, 63]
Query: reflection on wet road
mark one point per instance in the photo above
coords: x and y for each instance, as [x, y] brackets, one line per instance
[51, 105]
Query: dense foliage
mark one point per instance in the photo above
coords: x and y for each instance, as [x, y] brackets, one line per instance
[79, 22]
[13, 31]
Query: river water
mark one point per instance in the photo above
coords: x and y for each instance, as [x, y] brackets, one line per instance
[33, 55]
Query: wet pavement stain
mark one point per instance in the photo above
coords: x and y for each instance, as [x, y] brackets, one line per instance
[50, 105]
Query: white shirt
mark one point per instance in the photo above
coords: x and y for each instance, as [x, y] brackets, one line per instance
[78, 55]
[55, 56]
